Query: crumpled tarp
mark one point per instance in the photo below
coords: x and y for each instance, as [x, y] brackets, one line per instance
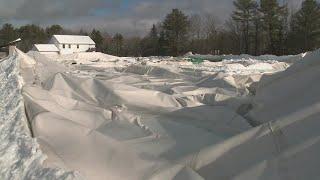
[135, 126]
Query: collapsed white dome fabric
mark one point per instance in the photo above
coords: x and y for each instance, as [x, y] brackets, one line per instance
[112, 130]
[141, 122]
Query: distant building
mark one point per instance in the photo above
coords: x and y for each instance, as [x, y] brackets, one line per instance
[66, 44]
[46, 48]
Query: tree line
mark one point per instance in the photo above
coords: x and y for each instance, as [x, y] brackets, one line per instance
[255, 27]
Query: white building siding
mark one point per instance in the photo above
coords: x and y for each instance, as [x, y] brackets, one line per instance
[71, 47]
[74, 48]
[68, 44]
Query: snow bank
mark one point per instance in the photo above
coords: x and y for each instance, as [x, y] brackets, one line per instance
[94, 59]
[20, 156]
[246, 57]
[243, 64]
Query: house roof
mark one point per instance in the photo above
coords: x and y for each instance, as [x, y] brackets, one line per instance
[74, 39]
[46, 47]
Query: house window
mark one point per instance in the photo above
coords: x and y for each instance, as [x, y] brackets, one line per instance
[78, 46]
[63, 46]
[69, 46]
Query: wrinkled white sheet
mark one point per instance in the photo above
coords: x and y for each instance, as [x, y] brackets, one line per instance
[119, 128]
[149, 122]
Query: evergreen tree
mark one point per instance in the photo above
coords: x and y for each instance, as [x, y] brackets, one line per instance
[83, 32]
[98, 39]
[7, 34]
[175, 27]
[132, 47]
[54, 30]
[244, 15]
[30, 35]
[118, 43]
[272, 14]
[150, 44]
[306, 25]
[257, 24]
[154, 33]
[163, 44]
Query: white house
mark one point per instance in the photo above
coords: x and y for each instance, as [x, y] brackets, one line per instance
[46, 48]
[66, 44]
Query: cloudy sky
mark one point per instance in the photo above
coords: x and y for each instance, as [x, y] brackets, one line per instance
[130, 17]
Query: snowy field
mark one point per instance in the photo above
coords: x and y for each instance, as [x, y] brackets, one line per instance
[96, 116]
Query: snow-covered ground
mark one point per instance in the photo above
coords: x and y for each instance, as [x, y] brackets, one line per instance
[20, 156]
[96, 116]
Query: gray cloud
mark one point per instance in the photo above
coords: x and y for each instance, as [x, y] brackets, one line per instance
[43, 10]
[132, 20]
[48, 9]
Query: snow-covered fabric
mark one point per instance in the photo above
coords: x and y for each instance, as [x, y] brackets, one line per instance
[166, 121]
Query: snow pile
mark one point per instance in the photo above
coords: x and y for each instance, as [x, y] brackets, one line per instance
[242, 64]
[96, 59]
[95, 56]
[20, 156]
[239, 67]
[246, 57]
[231, 67]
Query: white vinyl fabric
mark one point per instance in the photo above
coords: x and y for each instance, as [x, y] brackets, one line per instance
[142, 122]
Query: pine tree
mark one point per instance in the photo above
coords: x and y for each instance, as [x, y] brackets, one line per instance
[154, 40]
[30, 35]
[175, 27]
[118, 43]
[98, 39]
[273, 14]
[154, 32]
[7, 33]
[150, 44]
[257, 23]
[244, 15]
[306, 25]
[54, 30]
[83, 33]
[163, 44]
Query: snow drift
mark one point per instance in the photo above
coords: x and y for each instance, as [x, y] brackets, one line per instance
[20, 156]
